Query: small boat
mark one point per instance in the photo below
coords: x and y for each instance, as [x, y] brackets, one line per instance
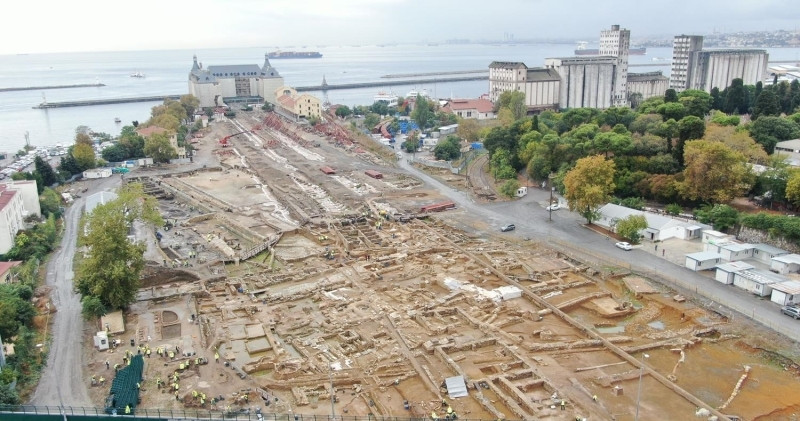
[117, 120]
[137, 74]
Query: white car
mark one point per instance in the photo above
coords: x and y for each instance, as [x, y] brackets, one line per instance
[554, 207]
[624, 245]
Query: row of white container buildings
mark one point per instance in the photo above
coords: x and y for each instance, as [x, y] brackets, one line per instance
[736, 264]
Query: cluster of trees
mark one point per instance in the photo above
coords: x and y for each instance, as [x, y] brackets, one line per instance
[662, 151]
[80, 156]
[171, 115]
[108, 277]
[16, 310]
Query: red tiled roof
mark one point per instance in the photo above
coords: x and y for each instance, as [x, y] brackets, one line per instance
[286, 101]
[6, 266]
[481, 105]
[5, 197]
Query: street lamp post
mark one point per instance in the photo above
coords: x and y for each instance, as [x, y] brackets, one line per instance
[639, 394]
[550, 204]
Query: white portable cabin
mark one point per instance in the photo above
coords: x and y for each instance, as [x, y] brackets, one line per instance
[786, 293]
[736, 251]
[726, 271]
[702, 260]
[785, 264]
[97, 173]
[757, 281]
[765, 252]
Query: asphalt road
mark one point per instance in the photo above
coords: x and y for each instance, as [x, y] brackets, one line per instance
[567, 233]
[63, 382]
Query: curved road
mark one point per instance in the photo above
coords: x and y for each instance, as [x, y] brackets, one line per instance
[566, 232]
[62, 382]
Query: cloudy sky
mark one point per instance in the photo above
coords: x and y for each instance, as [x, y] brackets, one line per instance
[34, 26]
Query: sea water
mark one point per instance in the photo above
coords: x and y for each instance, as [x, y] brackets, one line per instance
[166, 73]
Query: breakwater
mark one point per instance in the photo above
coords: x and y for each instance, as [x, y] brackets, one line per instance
[389, 82]
[38, 88]
[105, 101]
[392, 82]
[454, 72]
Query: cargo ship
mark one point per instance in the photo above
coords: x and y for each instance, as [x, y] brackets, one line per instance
[294, 54]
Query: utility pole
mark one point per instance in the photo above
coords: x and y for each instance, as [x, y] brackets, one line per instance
[639, 394]
[550, 205]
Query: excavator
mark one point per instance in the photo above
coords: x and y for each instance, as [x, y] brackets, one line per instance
[225, 141]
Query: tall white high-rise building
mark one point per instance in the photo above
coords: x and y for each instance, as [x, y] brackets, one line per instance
[615, 43]
[683, 47]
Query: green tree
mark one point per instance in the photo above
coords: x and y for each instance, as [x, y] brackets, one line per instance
[190, 103]
[8, 396]
[371, 120]
[469, 129]
[793, 187]
[83, 155]
[722, 119]
[509, 188]
[720, 216]
[111, 269]
[412, 143]
[670, 96]
[689, 128]
[673, 209]
[767, 104]
[629, 228]
[736, 98]
[672, 110]
[115, 153]
[158, 147]
[423, 113]
[45, 171]
[50, 202]
[714, 173]
[770, 130]
[695, 102]
[589, 185]
[343, 111]
[447, 149]
[514, 101]
[501, 165]
[92, 307]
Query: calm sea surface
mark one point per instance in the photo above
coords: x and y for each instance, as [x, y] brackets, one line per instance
[167, 73]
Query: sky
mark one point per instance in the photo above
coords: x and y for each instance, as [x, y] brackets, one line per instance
[38, 26]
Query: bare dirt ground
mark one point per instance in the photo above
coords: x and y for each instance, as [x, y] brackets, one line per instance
[314, 287]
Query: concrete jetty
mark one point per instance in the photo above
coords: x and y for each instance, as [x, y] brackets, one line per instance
[453, 72]
[326, 87]
[106, 101]
[38, 88]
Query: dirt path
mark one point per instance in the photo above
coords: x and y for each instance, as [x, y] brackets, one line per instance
[62, 382]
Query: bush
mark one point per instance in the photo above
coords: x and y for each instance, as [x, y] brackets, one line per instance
[721, 217]
[509, 188]
[776, 225]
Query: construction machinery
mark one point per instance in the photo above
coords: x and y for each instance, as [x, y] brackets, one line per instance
[225, 141]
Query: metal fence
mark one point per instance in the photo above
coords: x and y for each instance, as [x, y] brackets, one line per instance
[69, 412]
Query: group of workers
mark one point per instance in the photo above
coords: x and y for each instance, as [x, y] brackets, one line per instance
[449, 413]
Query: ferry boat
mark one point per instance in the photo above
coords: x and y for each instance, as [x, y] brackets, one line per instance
[137, 74]
[414, 93]
[117, 120]
[387, 97]
[294, 54]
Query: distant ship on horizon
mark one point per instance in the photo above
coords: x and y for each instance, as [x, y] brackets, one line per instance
[294, 54]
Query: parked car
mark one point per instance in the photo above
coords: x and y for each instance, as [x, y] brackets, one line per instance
[554, 207]
[791, 311]
[508, 227]
[624, 245]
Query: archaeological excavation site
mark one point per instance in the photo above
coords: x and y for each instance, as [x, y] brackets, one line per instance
[297, 275]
